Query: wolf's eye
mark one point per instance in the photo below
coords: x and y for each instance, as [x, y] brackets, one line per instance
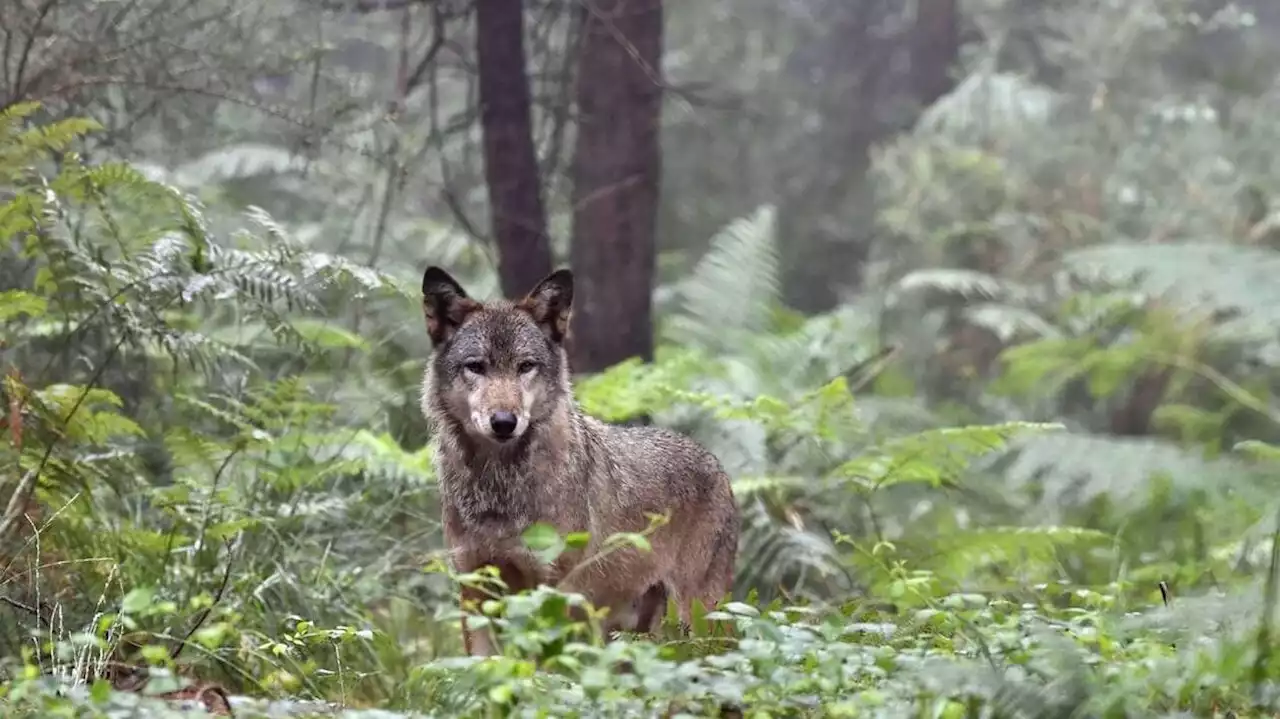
[473, 367]
[526, 367]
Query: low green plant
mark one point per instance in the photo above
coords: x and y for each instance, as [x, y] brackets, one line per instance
[205, 483]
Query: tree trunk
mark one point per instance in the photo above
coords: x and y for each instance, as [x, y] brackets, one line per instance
[616, 168]
[935, 48]
[518, 219]
[827, 209]
[828, 219]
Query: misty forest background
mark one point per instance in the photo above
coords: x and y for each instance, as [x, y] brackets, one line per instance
[976, 300]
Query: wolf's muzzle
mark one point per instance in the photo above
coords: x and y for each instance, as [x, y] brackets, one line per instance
[503, 425]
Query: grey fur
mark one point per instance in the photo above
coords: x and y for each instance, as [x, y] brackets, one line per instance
[561, 466]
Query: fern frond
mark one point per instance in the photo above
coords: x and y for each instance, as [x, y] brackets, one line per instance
[14, 303]
[191, 451]
[57, 136]
[632, 387]
[20, 148]
[238, 162]
[988, 104]
[327, 268]
[379, 456]
[87, 424]
[11, 116]
[261, 275]
[959, 283]
[970, 550]
[127, 186]
[1071, 469]
[895, 415]
[935, 456]
[1238, 282]
[191, 348]
[775, 554]
[1008, 322]
[732, 288]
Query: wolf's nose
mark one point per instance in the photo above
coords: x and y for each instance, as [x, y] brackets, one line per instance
[503, 424]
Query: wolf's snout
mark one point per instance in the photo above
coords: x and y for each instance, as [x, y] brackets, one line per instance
[503, 424]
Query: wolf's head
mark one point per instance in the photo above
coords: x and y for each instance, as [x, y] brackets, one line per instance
[499, 366]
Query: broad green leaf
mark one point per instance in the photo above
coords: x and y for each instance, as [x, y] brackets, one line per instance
[544, 540]
[137, 600]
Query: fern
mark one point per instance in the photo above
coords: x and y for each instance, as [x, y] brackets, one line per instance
[16, 303]
[969, 551]
[733, 287]
[21, 149]
[778, 555]
[633, 388]
[1218, 278]
[894, 416]
[180, 269]
[1009, 322]
[237, 162]
[380, 457]
[965, 284]
[1072, 469]
[936, 457]
[989, 104]
[75, 411]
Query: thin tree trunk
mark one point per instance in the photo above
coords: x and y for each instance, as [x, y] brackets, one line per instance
[935, 47]
[519, 222]
[824, 218]
[616, 168]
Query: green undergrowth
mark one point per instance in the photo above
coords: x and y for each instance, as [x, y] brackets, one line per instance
[213, 467]
[1053, 650]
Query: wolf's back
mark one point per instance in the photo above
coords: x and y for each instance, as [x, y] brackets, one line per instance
[657, 462]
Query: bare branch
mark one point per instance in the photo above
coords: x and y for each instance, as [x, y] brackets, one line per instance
[369, 6]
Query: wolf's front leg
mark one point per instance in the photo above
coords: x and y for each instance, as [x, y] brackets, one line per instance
[478, 642]
[619, 581]
[519, 570]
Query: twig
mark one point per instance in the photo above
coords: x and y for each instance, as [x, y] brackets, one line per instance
[1262, 656]
[204, 614]
[34, 611]
[21, 495]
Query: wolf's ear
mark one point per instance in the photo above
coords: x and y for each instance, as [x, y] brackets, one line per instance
[551, 304]
[444, 303]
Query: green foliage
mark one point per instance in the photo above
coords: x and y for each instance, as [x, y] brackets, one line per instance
[209, 477]
[732, 287]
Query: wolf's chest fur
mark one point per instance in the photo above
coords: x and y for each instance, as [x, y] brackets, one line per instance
[496, 494]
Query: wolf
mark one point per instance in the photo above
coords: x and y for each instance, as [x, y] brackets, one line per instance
[514, 449]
